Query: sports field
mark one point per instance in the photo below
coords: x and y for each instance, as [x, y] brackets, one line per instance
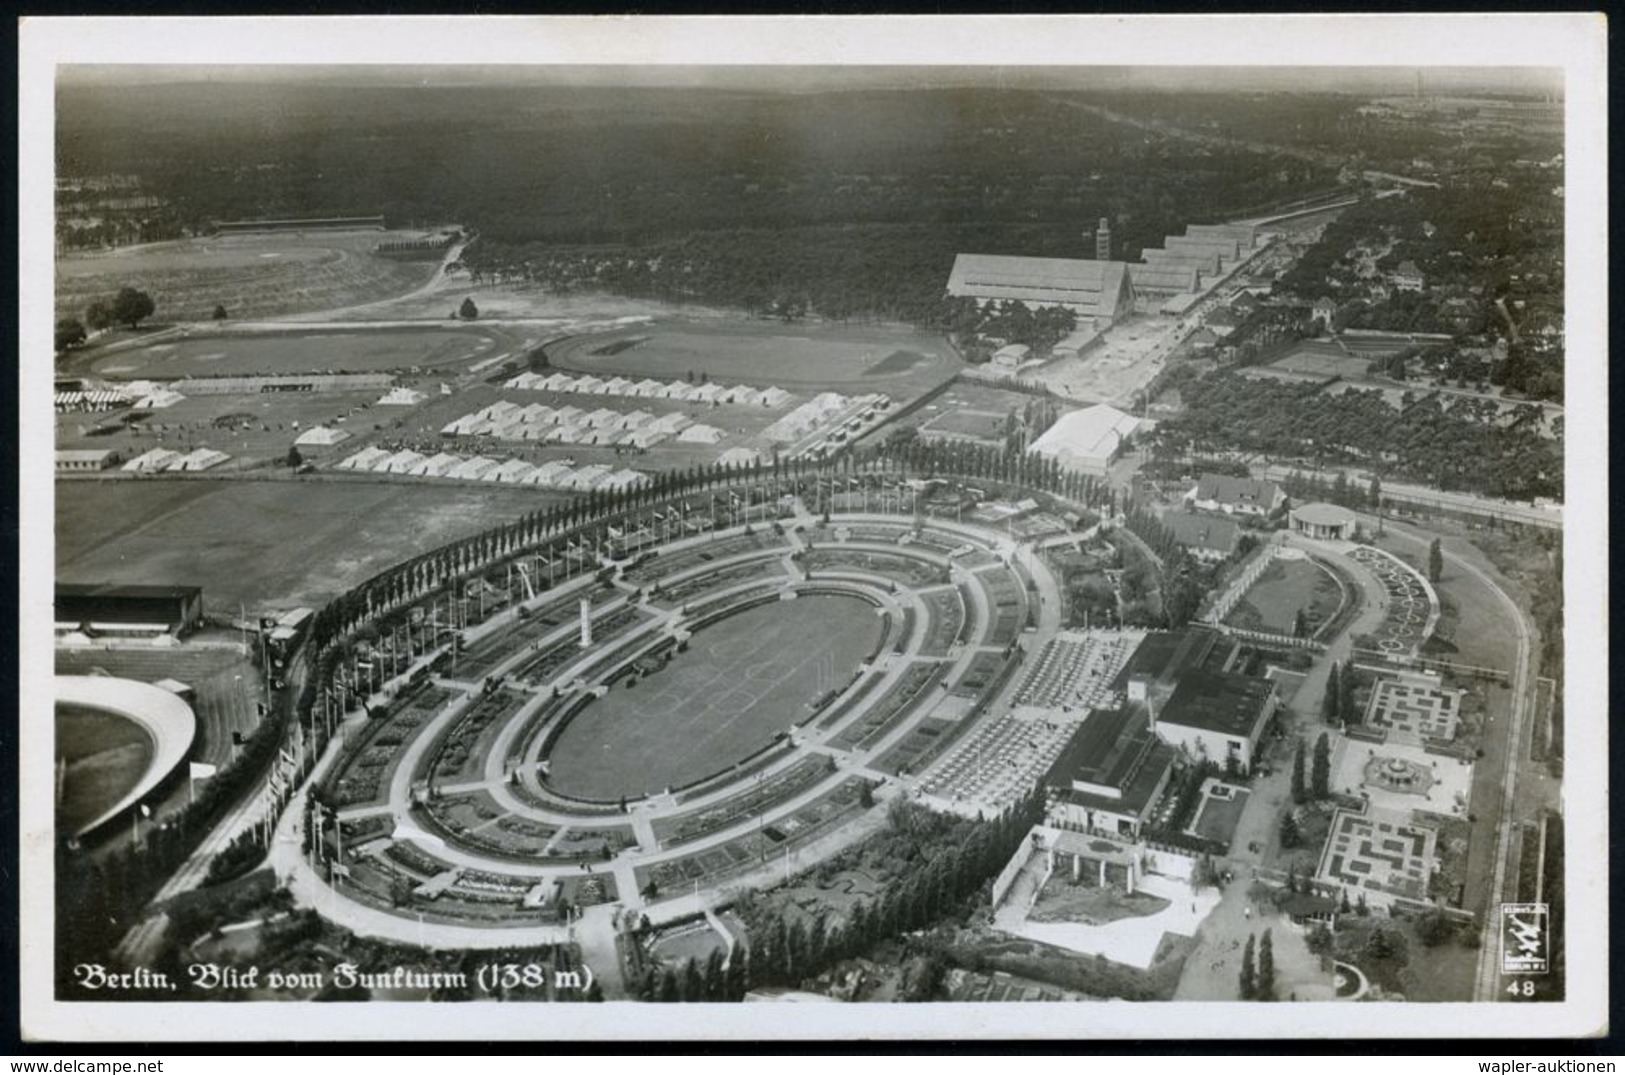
[1323, 359]
[250, 275]
[283, 352]
[264, 542]
[101, 757]
[791, 356]
[741, 682]
[1286, 587]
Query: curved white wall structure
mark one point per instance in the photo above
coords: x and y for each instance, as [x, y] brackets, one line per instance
[162, 715]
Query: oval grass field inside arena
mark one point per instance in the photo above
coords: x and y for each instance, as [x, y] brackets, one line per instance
[101, 756]
[742, 681]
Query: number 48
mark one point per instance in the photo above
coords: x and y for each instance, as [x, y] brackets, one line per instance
[1523, 988]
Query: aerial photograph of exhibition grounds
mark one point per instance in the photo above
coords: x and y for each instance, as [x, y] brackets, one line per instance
[1049, 539]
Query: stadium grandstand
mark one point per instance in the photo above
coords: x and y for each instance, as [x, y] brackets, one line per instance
[1100, 290]
[109, 608]
[332, 223]
[311, 382]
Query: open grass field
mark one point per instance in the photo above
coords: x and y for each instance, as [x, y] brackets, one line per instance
[898, 362]
[442, 347]
[1285, 587]
[743, 681]
[253, 428]
[251, 275]
[104, 756]
[1322, 359]
[264, 542]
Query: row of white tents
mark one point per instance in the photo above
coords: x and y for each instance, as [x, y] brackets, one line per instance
[506, 420]
[820, 410]
[559, 474]
[164, 459]
[649, 388]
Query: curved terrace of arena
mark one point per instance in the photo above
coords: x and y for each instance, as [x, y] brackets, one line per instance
[706, 701]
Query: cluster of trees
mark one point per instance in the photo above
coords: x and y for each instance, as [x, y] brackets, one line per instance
[850, 203]
[129, 307]
[1337, 704]
[1258, 976]
[1185, 580]
[1421, 441]
[937, 865]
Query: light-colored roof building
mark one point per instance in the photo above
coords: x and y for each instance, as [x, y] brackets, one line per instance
[70, 459]
[1098, 289]
[1011, 356]
[675, 390]
[618, 386]
[589, 385]
[1087, 439]
[634, 419]
[707, 393]
[774, 397]
[647, 387]
[602, 418]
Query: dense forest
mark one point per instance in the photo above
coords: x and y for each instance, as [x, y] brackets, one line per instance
[1453, 444]
[843, 203]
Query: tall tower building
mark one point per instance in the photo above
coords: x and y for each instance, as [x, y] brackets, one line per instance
[1103, 240]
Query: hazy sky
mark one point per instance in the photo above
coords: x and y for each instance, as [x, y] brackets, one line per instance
[1363, 80]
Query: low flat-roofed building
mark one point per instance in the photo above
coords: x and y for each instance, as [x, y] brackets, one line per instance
[1010, 356]
[117, 608]
[80, 460]
[1111, 772]
[1217, 716]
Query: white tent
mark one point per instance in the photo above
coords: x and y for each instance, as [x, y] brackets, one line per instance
[671, 422]
[617, 386]
[707, 393]
[156, 459]
[513, 471]
[700, 434]
[548, 474]
[472, 469]
[647, 387]
[739, 457]
[401, 397]
[401, 462]
[588, 477]
[321, 437]
[202, 459]
[774, 397]
[436, 466]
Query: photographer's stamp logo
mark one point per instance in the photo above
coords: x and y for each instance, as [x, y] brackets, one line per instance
[1524, 937]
